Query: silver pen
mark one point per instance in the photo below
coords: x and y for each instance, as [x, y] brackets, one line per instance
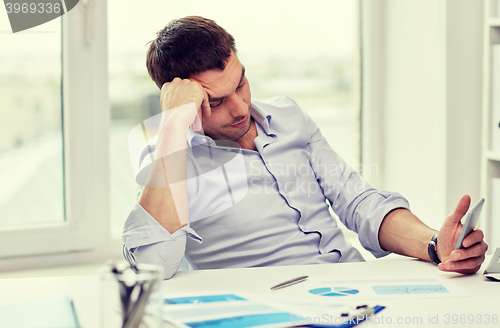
[290, 282]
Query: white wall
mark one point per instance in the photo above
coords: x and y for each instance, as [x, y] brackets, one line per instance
[415, 145]
[464, 99]
[425, 77]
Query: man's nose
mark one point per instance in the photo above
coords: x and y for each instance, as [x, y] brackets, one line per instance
[238, 107]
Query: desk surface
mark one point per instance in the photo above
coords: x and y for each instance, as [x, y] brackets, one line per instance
[482, 299]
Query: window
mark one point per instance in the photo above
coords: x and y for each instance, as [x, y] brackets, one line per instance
[305, 50]
[31, 156]
[51, 198]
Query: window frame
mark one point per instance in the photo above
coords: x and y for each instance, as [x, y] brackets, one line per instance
[85, 234]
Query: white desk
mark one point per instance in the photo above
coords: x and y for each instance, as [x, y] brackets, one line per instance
[483, 294]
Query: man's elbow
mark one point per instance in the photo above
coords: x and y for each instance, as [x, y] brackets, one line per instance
[148, 255]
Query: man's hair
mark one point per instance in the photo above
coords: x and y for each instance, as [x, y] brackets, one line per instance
[188, 46]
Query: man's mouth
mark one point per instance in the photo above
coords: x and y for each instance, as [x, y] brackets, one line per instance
[242, 123]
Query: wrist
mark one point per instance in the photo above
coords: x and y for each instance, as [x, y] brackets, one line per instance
[172, 134]
[182, 115]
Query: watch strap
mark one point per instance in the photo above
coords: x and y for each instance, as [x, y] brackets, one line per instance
[432, 249]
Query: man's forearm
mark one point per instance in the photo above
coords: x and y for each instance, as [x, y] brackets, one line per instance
[165, 195]
[159, 203]
[403, 233]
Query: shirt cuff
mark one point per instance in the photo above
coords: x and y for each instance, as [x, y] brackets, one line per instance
[142, 229]
[369, 240]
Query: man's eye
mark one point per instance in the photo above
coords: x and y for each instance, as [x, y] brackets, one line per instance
[240, 86]
[215, 105]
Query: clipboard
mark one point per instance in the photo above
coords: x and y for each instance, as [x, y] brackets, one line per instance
[492, 272]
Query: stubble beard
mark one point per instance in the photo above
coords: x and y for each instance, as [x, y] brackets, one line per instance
[221, 134]
[224, 133]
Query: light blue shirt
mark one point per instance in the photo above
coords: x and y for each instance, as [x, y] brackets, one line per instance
[266, 207]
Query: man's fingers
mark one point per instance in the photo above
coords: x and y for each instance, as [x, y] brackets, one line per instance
[464, 271]
[473, 238]
[179, 92]
[470, 265]
[460, 211]
[205, 106]
[205, 103]
[196, 126]
[470, 252]
[467, 260]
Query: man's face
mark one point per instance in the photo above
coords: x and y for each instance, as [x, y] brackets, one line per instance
[229, 95]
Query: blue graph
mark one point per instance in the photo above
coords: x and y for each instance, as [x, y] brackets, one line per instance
[335, 291]
[203, 299]
[409, 289]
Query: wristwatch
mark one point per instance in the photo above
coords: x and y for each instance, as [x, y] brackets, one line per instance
[432, 249]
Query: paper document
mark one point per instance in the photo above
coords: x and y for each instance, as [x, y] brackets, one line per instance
[48, 312]
[239, 310]
[377, 288]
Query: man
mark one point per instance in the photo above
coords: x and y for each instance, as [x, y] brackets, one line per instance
[250, 187]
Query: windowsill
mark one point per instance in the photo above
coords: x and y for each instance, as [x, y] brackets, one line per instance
[76, 270]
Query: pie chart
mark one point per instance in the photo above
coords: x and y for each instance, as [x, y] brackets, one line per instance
[334, 291]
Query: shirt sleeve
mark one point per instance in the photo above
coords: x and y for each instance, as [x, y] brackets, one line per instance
[359, 206]
[146, 241]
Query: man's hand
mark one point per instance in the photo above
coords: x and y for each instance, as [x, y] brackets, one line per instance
[463, 260]
[181, 92]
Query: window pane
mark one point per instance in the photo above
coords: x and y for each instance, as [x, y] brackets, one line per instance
[31, 161]
[305, 50]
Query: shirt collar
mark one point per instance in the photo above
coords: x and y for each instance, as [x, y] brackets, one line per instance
[259, 114]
